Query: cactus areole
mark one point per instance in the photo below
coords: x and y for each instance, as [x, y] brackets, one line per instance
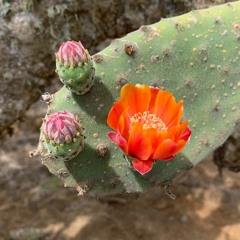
[194, 57]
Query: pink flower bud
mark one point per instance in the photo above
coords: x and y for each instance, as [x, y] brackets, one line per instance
[72, 53]
[61, 127]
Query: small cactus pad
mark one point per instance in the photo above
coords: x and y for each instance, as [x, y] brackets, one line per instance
[75, 67]
[196, 57]
[62, 135]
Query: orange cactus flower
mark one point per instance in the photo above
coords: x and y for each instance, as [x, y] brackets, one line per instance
[146, 124]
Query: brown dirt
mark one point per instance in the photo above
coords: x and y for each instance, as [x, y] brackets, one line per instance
[34, 205]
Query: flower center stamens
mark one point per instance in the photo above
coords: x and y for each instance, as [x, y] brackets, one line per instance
[148, 120]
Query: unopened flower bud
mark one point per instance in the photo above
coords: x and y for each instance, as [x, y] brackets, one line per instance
[74, 67]
[71, 53]
[61, 127]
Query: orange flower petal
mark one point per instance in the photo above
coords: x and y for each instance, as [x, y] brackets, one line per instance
[142, 166]
[119, 140]
[115, 113]
[186, 134]
[176, 115]
[154, 93]
[180, 145]
[155, 138]
[165, 150]
[138, 145]
[164, 101]
[124, 124]
[153, 135]
[178, 130]
[167, 109]
[138, 97]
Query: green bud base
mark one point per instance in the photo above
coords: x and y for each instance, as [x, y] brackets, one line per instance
[78, 79]
[64, 151]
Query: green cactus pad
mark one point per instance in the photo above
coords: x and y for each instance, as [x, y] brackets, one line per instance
[195, 56]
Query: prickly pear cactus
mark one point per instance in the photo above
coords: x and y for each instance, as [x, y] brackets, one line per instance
[196, 57]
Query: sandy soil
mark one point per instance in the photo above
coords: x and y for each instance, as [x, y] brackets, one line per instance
[34, 205]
